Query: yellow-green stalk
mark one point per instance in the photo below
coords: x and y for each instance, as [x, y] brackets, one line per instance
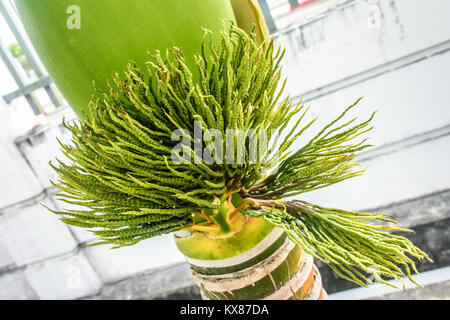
[121, 168]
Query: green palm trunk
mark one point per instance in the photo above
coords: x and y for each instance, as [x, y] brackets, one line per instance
[241, 237]
[110, 34]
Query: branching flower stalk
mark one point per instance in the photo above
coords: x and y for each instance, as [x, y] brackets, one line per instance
[342, 238]
[122, 172]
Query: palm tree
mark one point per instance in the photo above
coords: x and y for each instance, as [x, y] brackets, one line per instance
[203, 146]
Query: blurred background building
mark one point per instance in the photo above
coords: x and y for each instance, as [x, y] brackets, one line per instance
[396, 53]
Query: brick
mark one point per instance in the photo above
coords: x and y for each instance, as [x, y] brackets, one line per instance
[409, 102]
[114, 265]
[5, 259]
[64, 278]
[358, 37]
[17, 180]
[31, 233]
[41, 147]
[153, 284]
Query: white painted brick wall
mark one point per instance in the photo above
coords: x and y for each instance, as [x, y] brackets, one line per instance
[359, 37]
[63, 278]
[81, 235]
[410, 101]
[405, 174]
[15, 286]
[5, 259]
[31, 233]
[17, 181]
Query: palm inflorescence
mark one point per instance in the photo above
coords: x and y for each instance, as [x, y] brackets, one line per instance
[123, 173]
